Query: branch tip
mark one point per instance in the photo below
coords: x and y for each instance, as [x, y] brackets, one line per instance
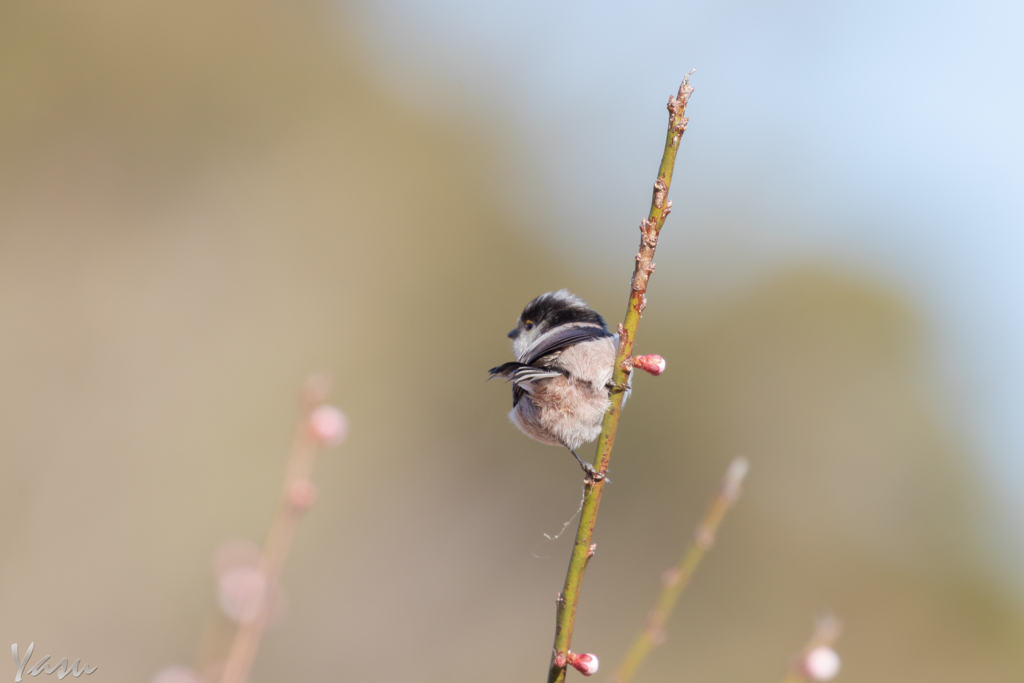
[685, 89]
[734, 476]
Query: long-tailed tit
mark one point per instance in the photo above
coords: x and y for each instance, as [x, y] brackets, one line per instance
[563, 375]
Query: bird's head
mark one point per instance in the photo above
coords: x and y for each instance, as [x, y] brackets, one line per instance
[547, 312]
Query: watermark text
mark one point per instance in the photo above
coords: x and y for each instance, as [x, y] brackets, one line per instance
[61, 667]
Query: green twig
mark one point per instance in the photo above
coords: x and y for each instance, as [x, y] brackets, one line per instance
[583, 549]
[676, 579]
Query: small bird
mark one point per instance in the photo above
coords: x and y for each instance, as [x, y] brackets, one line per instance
[563, 375]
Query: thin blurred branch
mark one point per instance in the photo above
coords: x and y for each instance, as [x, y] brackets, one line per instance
[677, 578]
[650, 228]
[320, 425]
[817, 661]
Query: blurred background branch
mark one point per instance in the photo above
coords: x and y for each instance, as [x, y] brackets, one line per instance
[320, 425]
[675, 580]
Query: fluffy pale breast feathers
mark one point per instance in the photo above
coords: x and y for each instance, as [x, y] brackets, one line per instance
[568, 409]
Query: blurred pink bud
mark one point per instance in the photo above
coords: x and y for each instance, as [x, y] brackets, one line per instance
[704, 538]
[329, 425]
[652, 363]
[302, 494]
[821, 664]
[585, 663]
[242, 593]
[176, 674]
[670, 577]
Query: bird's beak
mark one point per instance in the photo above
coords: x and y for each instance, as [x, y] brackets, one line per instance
[513, 334]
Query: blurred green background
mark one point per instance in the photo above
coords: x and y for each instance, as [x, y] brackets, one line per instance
[202, 202]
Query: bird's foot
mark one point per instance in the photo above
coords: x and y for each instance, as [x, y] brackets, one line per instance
[592, 476]
[616, 388]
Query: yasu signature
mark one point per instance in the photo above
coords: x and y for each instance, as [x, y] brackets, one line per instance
[61, 667]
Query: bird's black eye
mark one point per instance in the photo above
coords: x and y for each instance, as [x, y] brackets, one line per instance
[529, 324]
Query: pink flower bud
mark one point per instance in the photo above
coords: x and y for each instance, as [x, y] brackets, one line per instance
[242, 593]
[821, 664]
[328, 425]
[585, 663]
[652, 363]
[302, 494]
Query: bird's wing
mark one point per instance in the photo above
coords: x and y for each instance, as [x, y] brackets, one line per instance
[562, 338]
[521, 374]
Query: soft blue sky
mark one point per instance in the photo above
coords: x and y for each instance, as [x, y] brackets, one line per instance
[881, 136]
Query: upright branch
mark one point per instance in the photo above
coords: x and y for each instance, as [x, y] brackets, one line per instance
[321, 425]
[676, 579]
[650, 228]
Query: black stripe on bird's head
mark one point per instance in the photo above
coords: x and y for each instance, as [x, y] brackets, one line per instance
[549, 311]
[558, 308]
